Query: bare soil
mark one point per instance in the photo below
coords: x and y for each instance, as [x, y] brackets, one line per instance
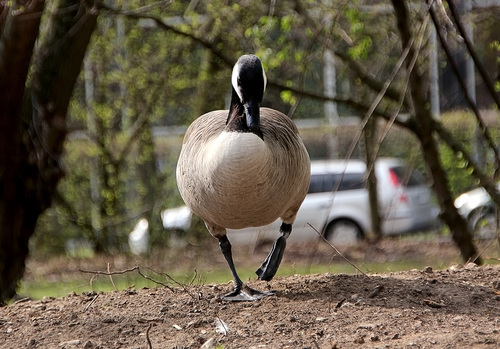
[456, 307]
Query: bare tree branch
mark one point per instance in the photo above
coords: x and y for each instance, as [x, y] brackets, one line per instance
[480, 66]
[444, 44]
[163, 25]
[484, 180]
[449, 213]
[229, 62]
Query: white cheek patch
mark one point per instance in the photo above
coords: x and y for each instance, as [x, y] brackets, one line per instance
[234, 80]
[265, 79]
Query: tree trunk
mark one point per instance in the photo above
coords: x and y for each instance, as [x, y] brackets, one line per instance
[33, 132]
[370, 154]
[17, 204]
[425, 132]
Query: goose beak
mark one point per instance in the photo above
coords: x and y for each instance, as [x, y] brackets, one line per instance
[252, 115]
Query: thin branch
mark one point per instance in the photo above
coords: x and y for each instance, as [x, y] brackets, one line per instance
[484, 180]
[391, 92]
[150, 345]
[388, 82]
[337, 251]
[155, 281]
[136, 268]
[411, 66]
[111, 279]
[163, 25]
[303, 67]
[229, 62]
[479, 65]
[355, 66]
[91, 302]
[98, 272]
[177, 283]
[444, 44]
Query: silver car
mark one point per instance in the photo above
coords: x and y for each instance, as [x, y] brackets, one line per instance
[337, 204]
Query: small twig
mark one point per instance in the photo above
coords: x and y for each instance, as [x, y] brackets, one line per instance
[110, 273]
[22, 300]
[480, 253]
[150, 345]
[339, 304]
[432, 303]
[91, 282]
[98, 272]
[153, 280]
[195, 275]
[91, 302]
[111, 278]
[338, 252]
[177, 283]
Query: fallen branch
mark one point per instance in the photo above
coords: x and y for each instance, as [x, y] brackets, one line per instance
[178, 284]
[153, 280]
[136, 268]
[98, 272]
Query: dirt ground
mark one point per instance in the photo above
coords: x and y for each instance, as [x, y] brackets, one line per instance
[456, 307]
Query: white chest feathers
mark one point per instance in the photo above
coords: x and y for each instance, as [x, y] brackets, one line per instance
[233, 156]
[234, 181]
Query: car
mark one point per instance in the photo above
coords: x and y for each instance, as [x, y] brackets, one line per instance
[337, 204]
[480, 212]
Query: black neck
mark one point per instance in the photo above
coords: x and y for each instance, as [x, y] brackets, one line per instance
[236, 118]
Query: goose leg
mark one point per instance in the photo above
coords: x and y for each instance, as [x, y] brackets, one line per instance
[270, 265]
[241, 292]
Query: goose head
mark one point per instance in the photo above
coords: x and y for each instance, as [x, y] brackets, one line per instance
[248, 82]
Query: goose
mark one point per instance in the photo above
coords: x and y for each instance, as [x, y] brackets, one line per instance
[244, 167]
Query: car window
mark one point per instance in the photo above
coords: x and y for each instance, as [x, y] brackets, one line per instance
[316, 184]
[351, 181]
[322, 183]
[407, 178]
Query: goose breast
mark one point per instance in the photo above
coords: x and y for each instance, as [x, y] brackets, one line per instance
[236, 179]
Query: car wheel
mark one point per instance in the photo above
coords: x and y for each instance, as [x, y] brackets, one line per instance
[485, 226]
[343, 232]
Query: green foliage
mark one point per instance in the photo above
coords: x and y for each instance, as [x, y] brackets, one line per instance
[137, 76]
[495, 46]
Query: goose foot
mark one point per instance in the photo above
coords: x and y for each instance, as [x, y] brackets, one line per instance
[246, 294]
[270, 265]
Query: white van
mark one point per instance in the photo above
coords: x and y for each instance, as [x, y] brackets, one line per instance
[337, 204]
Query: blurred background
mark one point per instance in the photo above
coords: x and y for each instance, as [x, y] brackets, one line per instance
[151, 68]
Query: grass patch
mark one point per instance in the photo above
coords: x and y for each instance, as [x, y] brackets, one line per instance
[83, 282]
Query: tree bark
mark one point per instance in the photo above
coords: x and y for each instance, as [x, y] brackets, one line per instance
[370, 154]
[19, 33]
[34, 131]
[425, 132]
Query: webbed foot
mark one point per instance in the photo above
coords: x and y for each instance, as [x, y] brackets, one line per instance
[246, 294]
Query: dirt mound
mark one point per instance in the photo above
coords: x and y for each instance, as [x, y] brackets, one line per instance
[453, 308]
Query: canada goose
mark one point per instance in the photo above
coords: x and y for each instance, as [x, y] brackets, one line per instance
[245, 167]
